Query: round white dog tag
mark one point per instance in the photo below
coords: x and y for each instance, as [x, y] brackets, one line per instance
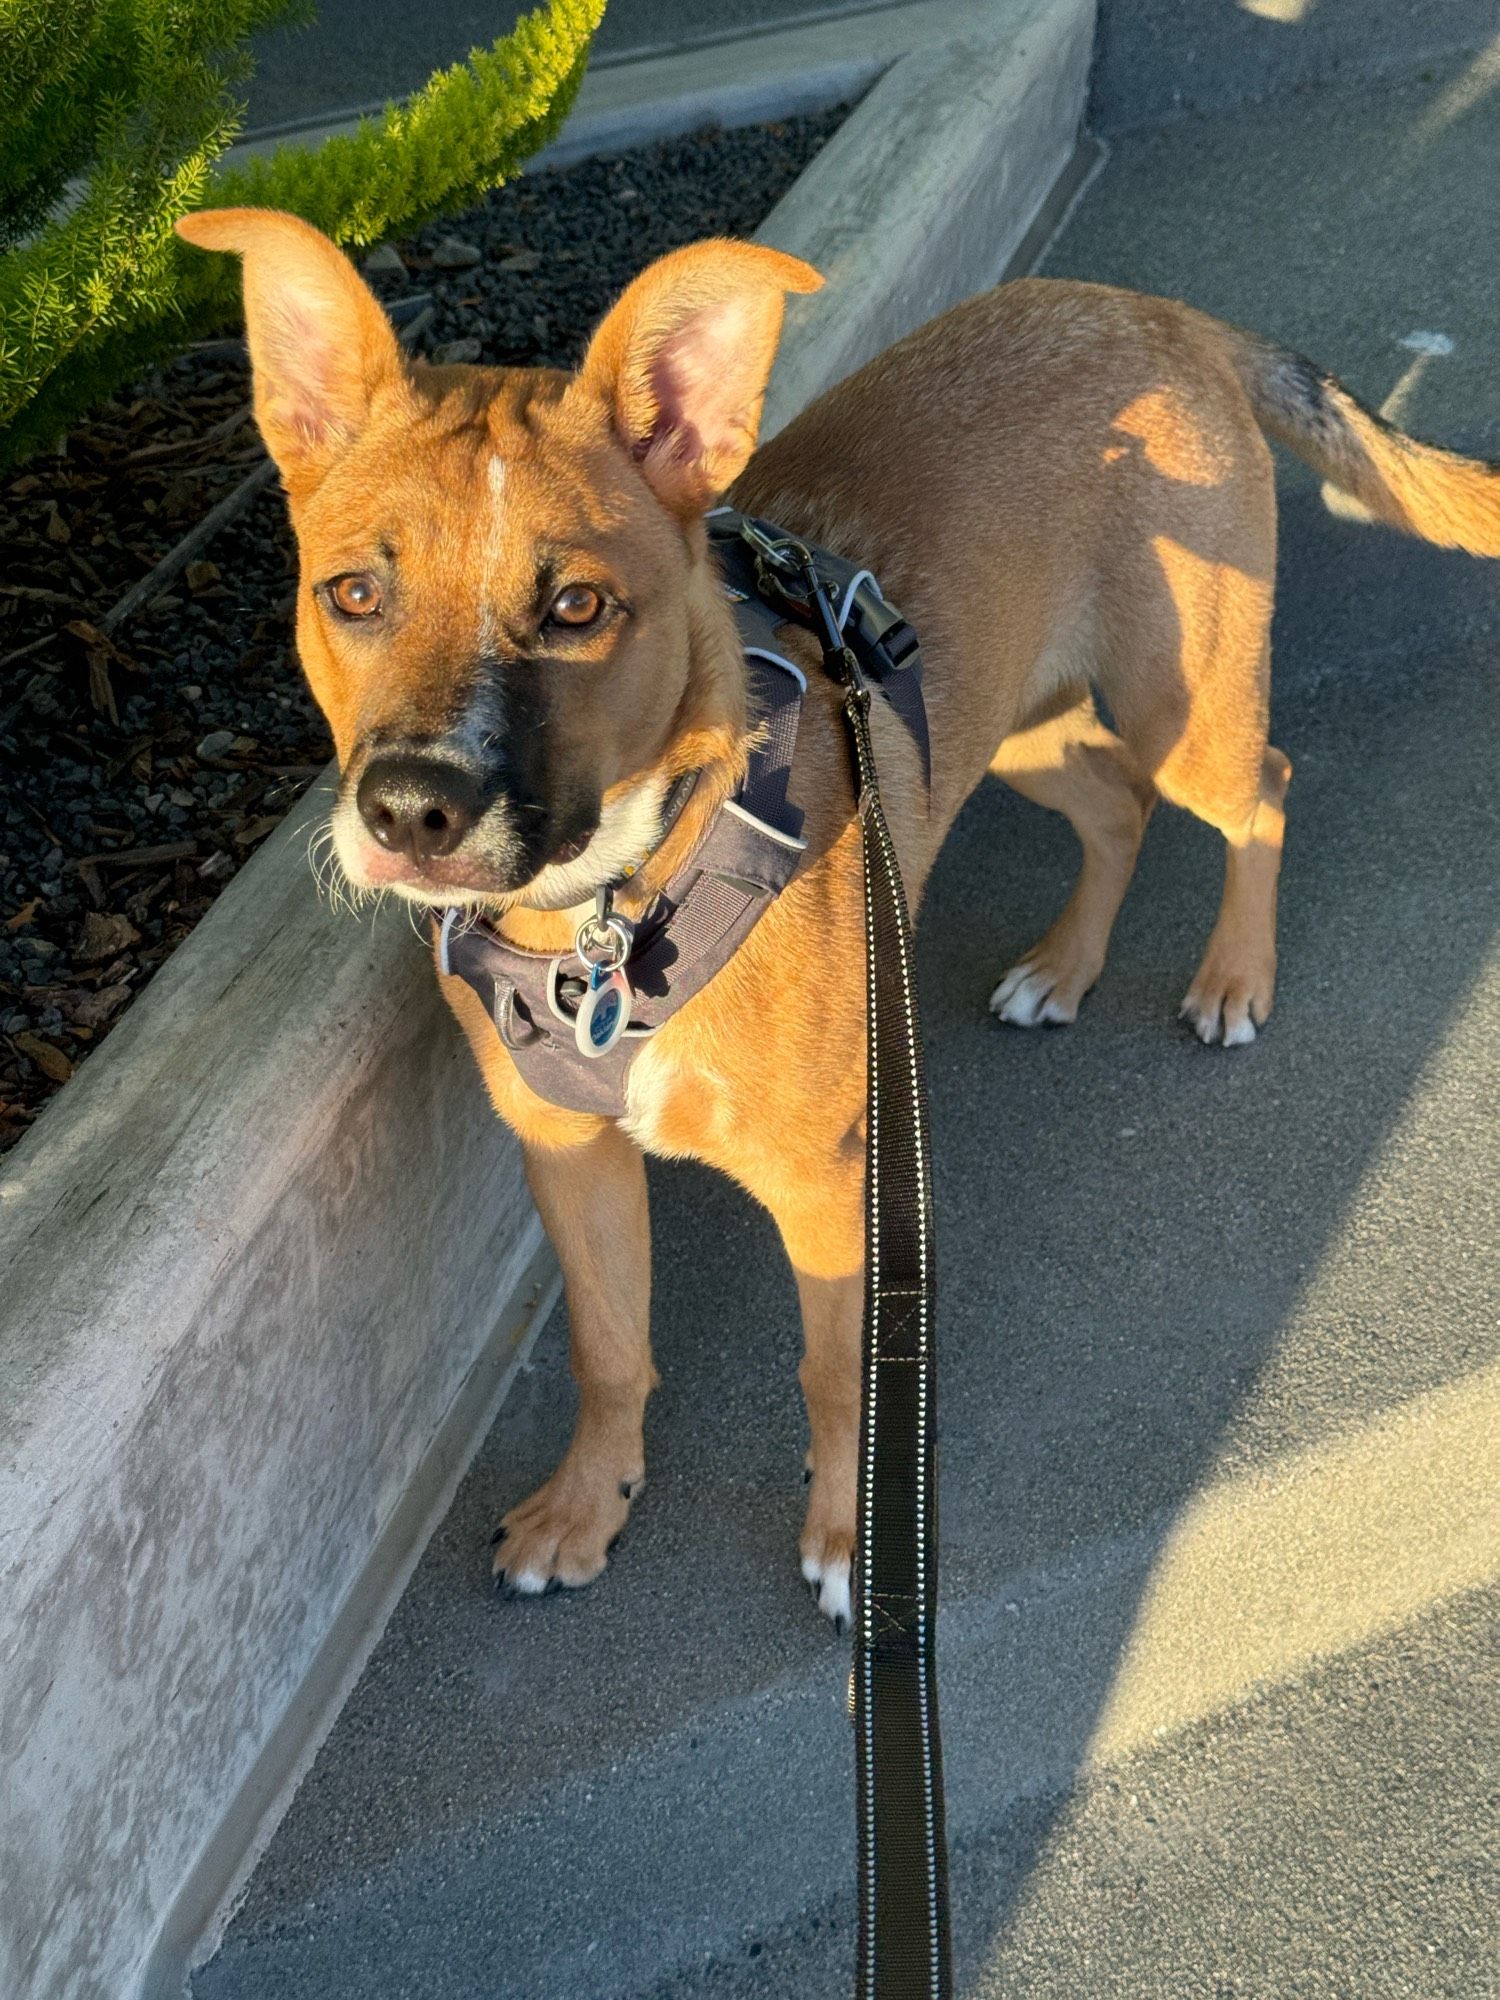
[603, 1012]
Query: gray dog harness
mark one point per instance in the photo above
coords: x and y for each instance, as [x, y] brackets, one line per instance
[574, 1022]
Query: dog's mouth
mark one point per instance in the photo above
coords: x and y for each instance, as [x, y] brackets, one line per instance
[554, 862]
[513, 852]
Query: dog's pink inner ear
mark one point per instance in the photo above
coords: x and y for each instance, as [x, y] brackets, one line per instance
[320, 345]
[683, 360]
[703, 392]
[309, 398]
[321, 349]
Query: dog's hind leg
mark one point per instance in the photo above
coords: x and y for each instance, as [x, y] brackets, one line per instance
[1206, 750]
[1185, 666]
[1082, 770]
[1232, 990]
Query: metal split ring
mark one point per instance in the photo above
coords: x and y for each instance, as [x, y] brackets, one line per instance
[604, 943]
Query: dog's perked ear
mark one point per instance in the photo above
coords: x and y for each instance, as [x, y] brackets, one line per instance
[320, 345]
[684, 357]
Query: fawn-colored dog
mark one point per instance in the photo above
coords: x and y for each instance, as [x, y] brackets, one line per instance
[509, 616]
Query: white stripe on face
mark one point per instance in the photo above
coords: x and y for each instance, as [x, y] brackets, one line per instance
[492, 535]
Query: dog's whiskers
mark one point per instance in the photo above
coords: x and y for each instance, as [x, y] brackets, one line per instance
[334, 885]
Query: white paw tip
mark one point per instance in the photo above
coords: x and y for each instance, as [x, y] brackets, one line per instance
[1008, 985]
[1019, 996]
[1239, 1033]
[831, 1582]
[835, 1600]
[529, 1583]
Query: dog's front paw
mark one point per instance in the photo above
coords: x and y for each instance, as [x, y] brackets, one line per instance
[1230, 997]
[563, 1534]
[1046, 987]
[828, 1566]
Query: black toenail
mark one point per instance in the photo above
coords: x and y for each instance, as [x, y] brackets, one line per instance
[498, 1537]
[807, 1474]
[841, 1624]
[627, 1491]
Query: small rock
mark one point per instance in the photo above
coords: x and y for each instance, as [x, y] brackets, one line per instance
[627, 194]
[201, 575]
[191, 693]
[453, 255]
[385, 262]
[452, 351]
[57, 528]
[216, 743]
[522, 260]
[216, 868]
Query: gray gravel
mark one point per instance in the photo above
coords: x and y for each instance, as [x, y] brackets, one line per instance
[519, 281]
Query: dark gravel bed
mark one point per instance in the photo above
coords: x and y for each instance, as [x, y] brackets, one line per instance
[139, 770]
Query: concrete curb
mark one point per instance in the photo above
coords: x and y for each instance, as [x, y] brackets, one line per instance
[927, 194]
[270, 1259]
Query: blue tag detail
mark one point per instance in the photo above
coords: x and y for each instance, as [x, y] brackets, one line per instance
[602, 1020]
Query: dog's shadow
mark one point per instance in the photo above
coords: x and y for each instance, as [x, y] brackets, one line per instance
[1137, 1232]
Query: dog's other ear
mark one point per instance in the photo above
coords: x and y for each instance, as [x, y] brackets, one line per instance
[684, 357]
[320, 345]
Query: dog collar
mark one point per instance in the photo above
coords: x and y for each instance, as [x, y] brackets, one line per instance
[542, 1004]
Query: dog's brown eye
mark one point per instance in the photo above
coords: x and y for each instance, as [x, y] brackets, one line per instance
[576, 605]
[356, 595]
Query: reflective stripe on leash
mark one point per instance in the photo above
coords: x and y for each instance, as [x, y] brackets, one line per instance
[905, 1948]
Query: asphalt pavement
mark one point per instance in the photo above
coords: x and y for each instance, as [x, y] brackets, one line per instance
[1175, 1280]
[357, 54]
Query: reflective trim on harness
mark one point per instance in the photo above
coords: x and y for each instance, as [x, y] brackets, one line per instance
[771, 832]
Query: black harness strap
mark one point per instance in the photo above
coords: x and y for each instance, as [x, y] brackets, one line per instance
[904, 1943]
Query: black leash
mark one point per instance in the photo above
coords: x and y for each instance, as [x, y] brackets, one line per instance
[905, 1950]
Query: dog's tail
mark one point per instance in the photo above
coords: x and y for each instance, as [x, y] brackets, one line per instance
[1416, 487]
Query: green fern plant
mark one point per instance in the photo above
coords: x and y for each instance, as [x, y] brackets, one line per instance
[133, 102]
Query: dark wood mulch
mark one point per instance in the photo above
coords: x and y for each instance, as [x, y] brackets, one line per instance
[140, 766]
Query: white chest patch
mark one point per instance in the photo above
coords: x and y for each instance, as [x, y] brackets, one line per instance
[648, 1085]
[654, 1080]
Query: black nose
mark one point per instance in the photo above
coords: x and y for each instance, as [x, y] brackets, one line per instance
[416, 806]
